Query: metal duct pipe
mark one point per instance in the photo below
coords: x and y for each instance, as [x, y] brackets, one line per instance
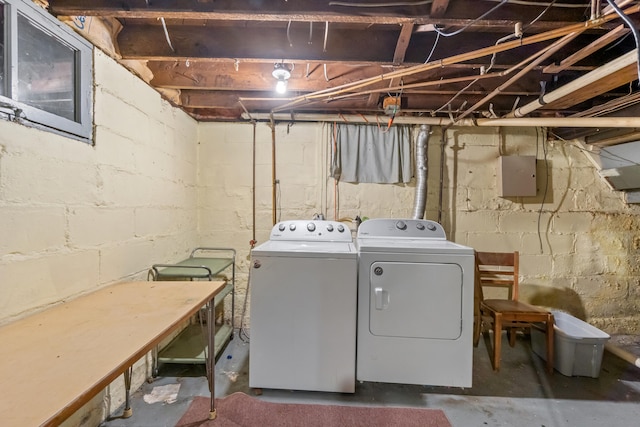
[422, 148]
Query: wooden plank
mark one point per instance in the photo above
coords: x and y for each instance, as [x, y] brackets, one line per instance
[607, 83]
[264, 43]
[279, 11]
[58, 359]
[438, 8]
[250, 76]
[403, 43]
[592, 47]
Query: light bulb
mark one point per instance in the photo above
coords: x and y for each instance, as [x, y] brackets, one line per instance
[281, 86]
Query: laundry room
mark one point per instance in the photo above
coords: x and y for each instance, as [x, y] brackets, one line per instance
[149, 180]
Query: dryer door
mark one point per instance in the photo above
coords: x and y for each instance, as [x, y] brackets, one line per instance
[415, 300]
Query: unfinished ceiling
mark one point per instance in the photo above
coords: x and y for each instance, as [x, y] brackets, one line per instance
[451, 59]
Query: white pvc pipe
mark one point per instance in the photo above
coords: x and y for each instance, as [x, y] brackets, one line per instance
[623, 354]
[581, 122]
[599, 73]
[567, 122]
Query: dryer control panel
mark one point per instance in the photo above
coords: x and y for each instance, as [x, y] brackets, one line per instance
[312, 230]
[401, 228]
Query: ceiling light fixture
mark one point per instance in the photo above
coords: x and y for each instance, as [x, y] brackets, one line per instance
[281, 73]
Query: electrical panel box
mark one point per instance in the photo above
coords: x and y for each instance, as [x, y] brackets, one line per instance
[517, 176]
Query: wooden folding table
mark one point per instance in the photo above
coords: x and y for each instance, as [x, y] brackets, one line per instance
[55, 361]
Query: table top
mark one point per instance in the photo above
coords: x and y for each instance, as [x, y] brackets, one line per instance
[216, 265]
[54, 361]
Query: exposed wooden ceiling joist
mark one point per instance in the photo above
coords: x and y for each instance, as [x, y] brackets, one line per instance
[218, 56]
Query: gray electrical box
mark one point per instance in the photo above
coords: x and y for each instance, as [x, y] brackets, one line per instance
[517, 176]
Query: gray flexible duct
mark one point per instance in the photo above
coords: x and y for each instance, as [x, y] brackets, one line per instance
[422, 147]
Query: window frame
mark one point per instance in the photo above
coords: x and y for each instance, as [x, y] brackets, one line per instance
[80, 128]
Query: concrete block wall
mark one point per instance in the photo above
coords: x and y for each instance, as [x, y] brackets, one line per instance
[225, 195]
[75, 217]
[579, 249]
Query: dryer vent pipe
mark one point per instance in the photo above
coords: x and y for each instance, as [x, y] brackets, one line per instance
[422, 147]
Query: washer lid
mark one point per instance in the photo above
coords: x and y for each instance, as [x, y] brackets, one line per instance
[321, 249]
[313, 231]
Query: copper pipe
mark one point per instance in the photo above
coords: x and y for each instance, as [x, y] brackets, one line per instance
[253, 189]
[560, 32]
[544, 54]
[408, 87]
[274, 182]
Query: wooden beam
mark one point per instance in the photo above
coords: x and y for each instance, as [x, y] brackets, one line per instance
[279, 11]
[257, 43]
[264, 100]
[250, 76]
[594, 46]
[403, 43]
[598, 87]
[438, 8]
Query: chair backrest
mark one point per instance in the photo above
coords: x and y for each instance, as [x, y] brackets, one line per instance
[497, 270]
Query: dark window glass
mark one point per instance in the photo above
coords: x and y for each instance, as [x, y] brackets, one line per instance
[2, 50]
[46, 71]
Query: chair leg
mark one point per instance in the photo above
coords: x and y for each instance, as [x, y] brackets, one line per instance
[512, 336]
[550, 343]
[497, 341]
[477, 329]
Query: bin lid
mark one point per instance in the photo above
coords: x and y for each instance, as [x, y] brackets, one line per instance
[575, 328]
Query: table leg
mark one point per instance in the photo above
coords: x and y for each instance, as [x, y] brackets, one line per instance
[211, 357]
[127, 393]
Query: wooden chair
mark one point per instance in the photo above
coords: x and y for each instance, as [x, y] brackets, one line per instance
[500, 270]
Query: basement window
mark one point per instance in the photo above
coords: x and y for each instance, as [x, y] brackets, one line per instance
[46, 71]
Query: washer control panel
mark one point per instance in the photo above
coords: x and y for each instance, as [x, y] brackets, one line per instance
[399, 228]
[312, 230]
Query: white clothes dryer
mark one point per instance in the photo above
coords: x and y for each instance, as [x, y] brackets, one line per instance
[303, 308]
[415, 304]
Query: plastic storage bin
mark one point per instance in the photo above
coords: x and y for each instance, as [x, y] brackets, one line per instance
[578, 346]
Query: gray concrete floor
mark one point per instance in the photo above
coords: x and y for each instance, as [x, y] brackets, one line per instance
[522, 394]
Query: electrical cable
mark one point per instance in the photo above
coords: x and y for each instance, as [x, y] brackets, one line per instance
[539, 3]
[546, 185]
[335, 181]
[614, 156]
[166, 34]
[618, 43]
[516, 36]
[442, 33]
[242, 333]
[326, 35]
[289, 34]
[460, 92]
[433, 48]
[278, 201]
[390, 4]
[632, 27]
[500, 40]
[611, 156]
[539, 16]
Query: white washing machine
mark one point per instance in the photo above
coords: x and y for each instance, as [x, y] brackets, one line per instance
[415, 304]
[303, 308]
